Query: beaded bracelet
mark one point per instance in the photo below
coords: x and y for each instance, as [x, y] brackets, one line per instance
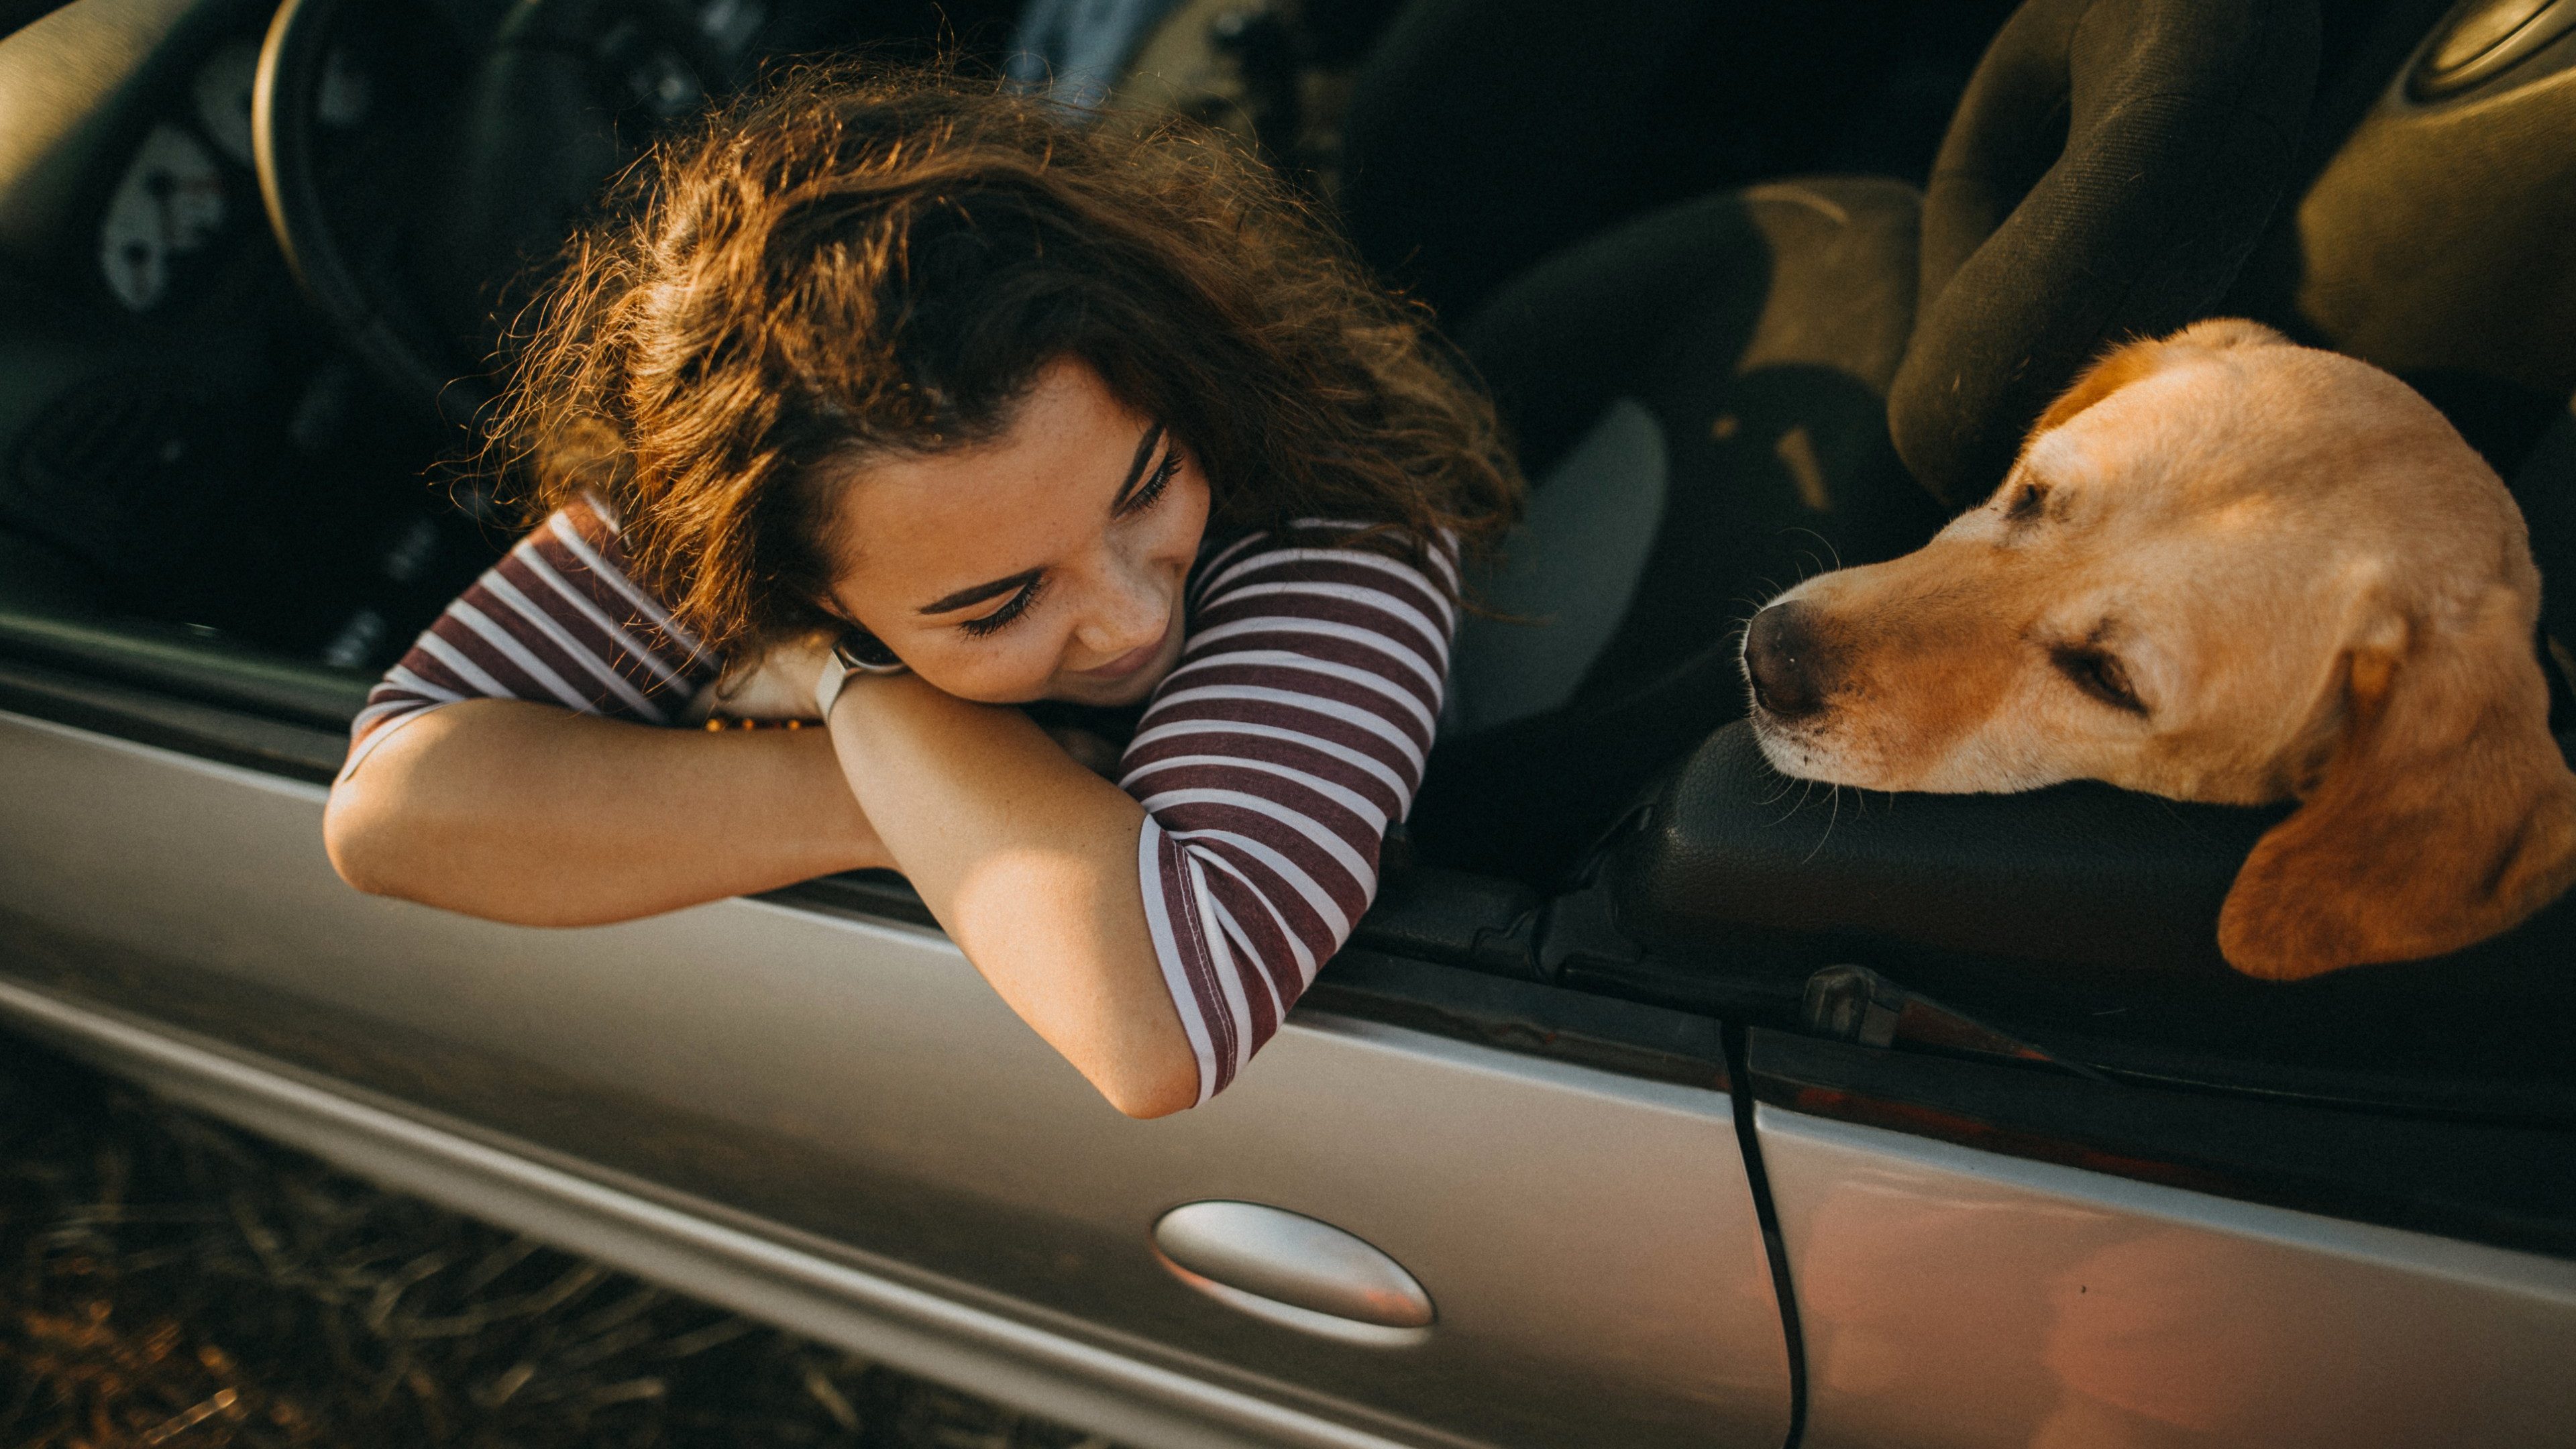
[718, 726]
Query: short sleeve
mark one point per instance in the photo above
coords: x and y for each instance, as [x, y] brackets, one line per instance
[1270, 763]
[557, 621]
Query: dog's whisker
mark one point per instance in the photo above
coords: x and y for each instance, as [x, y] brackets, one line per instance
[1792, 812]
[1837, 798]
[1835, 553]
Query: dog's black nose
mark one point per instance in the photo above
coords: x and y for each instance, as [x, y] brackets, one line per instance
[1784, 660]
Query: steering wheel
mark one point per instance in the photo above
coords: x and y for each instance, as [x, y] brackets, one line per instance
[555, 100]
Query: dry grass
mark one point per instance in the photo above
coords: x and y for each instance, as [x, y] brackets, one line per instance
[165, 1280]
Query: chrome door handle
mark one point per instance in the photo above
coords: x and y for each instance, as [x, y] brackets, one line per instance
[1294, 1271]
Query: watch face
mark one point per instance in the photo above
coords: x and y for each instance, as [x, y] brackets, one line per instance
[866, 652]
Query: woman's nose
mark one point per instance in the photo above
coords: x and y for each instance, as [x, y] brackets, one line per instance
[1127, 617]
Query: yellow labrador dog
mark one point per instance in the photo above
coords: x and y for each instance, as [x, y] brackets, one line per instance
[2232, 569]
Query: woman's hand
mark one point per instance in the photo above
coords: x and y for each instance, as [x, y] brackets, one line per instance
[1088, 750]
[1029, 860]
[778, 684]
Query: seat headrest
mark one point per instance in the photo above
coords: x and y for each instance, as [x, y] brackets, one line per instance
[2109, 167]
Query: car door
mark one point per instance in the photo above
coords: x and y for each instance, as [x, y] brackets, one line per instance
[1992, 1255]
[822, 1077]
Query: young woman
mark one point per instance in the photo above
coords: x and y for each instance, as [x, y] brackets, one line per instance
[900, 402]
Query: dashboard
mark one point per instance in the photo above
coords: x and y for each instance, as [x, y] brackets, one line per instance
[172, 199]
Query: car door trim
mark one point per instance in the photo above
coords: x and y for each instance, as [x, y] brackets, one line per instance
[2500, 1184]
[912, 1328]
[298, 751]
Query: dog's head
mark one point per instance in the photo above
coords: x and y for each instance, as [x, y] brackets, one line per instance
[2232, 569]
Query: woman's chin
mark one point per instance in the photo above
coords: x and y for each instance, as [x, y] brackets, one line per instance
[1109, 693]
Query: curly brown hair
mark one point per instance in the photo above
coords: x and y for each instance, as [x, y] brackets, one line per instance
[854, 261]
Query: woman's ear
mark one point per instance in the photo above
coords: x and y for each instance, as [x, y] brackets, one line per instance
[2444, 815]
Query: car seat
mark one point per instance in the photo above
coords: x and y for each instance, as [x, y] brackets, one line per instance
[1720, 397]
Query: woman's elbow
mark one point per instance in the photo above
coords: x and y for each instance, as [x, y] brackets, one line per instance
[354, 837]
[1148, 1101]
[1149, 1089]
[382, 849]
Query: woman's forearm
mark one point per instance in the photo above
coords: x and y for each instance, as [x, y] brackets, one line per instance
[534, 815]
[1029, 860]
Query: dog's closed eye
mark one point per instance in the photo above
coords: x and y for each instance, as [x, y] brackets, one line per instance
[2028, 502]
[2099, 674]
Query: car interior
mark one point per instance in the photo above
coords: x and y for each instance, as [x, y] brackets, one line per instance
[1759, 285]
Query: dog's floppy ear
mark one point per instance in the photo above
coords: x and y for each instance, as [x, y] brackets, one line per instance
[2116, 370]
[2444, 813]
[2129, 362]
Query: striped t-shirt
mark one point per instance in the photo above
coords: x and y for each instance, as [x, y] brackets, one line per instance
[1270, 762]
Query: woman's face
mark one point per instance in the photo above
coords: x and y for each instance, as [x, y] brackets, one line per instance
[1045, 564]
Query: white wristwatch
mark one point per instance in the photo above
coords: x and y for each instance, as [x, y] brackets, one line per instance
[854, 654]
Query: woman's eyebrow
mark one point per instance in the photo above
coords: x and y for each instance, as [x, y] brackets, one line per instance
[1136, 467]
[949, 604]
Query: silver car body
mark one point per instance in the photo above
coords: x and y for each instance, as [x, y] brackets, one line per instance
[828, 1120]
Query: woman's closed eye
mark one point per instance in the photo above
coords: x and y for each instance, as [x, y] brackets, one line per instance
[1151, 491]
[1012, 608]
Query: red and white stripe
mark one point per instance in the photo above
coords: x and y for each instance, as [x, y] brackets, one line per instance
[558, 621]
[1270, 762]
